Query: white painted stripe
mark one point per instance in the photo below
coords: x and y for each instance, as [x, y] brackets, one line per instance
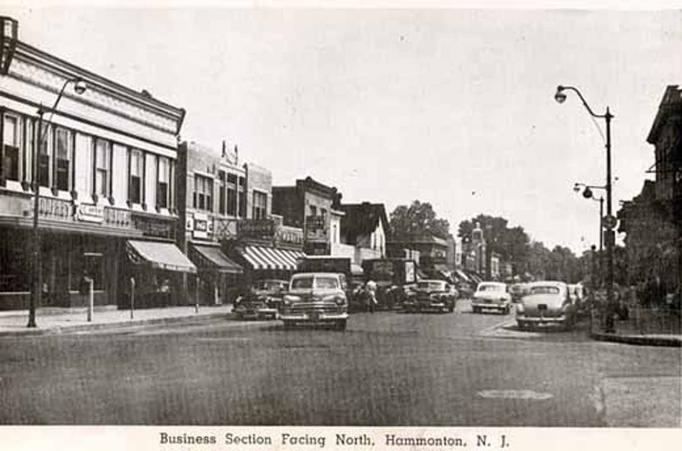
[286, 257]
[260, 263]
[276, 256]
[265, 257]
[254, 264]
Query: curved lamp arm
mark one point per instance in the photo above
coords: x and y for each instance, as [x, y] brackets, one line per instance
[560, 97]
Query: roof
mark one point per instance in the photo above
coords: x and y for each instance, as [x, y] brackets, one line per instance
[671, 102]
[362, 219]
[545, 283]
[426, 238]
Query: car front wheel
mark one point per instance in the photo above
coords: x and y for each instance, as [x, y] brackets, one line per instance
[340, 324]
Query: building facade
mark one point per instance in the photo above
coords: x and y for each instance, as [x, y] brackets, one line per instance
[105, 159]
[308, 205]
[364, 229]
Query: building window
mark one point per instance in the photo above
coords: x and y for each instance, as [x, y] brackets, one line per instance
[64, 152]
[102, 166]
[242, 197]
[163, 184]
[313, 210]
[10, 142]
[232, 181]
[323, 213]
[221, 192]
[45, 141]
[135, 178]
[260, 203]
[203, 193]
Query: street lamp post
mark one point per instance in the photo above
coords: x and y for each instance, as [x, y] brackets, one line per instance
[560, 97]
[80, 87]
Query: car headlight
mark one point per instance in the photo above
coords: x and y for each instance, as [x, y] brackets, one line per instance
[288, 299]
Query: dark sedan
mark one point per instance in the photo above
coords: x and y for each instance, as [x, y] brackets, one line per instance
[431, 295]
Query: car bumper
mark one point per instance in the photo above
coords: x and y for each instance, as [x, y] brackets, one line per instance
[541, 320]
[312, 317]
[257, 314]
[487, 305]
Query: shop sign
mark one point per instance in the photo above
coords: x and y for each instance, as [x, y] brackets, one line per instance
[90, 213]
[225, 229]
[116, 217]
[289, 235]
[51, 208]
[200, 227]
[315, 228]
[259, 229]
[153, 227]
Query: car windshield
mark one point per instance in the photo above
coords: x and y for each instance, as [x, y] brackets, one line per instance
[269, 285]
[326, 283]
[302, 283]
[430, 285]
[544, 289]
[491, 288]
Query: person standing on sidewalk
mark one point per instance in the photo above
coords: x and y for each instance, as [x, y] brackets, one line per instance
[371, 288]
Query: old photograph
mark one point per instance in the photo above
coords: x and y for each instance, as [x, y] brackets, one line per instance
[311, 216]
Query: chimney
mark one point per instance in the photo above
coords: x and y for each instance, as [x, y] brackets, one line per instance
[236, 154]
[224, 149]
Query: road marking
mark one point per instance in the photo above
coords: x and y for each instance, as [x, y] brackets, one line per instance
[514, 394]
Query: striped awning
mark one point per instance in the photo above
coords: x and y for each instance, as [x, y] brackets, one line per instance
[263, 258]
[462, 276]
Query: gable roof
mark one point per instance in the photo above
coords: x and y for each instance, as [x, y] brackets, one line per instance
[362, 219]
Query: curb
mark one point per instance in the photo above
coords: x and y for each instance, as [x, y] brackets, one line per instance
[113, 325]
[638, 339]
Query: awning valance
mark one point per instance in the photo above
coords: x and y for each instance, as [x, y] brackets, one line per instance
[263, 258]
[212, 258]
[462, 276]
[159, 255]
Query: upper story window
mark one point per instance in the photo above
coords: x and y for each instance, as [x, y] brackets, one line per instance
[163, 183]
[313, 210]
[260, 205]
[221, 191]
[10, 150]
[45, 141]
[102, 167]
[136, 176]
[242, 197]
[203, 193]
[232, 181]
[63, 158]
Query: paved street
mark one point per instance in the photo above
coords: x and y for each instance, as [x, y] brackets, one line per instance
[387, 369]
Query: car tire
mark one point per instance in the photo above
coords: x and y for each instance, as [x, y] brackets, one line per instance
[522, 325]
[476, 310]
[340, 324]
[451, 308]
[506, 309]
[288, 325]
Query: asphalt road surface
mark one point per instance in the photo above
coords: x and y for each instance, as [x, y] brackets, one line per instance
[387, 369]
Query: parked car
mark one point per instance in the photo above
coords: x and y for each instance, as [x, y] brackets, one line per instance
[262, 301]
[547, 302]
[491, 296]
[431, 295]
[315, 298]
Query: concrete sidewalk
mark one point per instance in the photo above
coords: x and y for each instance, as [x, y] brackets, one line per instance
[51, 320]
[635, 331]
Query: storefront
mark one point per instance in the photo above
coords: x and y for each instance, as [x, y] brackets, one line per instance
[217, 274]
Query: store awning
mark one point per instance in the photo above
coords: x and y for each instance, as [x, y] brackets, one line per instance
[264, 258]
[462, 276]
[158, 255]
[212, 258]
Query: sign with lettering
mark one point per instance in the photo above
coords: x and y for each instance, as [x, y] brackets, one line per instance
[260, 229]
[289, 235]
[200, 225]
[52, 208]
[316, 228]
[154, 227]
[117, 217]
[90, 213]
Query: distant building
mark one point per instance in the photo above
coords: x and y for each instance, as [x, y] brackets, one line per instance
[308, 205]
[432, 252]
[364, 230]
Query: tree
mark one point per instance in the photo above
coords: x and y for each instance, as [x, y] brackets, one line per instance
[418, 218]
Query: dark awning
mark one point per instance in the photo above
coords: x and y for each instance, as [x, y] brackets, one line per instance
[212, 258]
[159, 255]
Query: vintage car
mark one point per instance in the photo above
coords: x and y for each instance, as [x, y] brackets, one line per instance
[491, 296]
[546, 303]
[317, 298]
[431, 295]
[262, 301]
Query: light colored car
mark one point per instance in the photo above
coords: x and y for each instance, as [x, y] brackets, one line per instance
[315, 298]
[546, 303]
[431, 295]
[491, 296]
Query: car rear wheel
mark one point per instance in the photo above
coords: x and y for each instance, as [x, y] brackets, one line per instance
[477, 310]
[522, 325]
[506, 309]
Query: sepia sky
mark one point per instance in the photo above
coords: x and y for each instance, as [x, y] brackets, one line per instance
[451, 106]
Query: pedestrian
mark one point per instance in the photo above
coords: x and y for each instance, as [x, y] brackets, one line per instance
[371, 300]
